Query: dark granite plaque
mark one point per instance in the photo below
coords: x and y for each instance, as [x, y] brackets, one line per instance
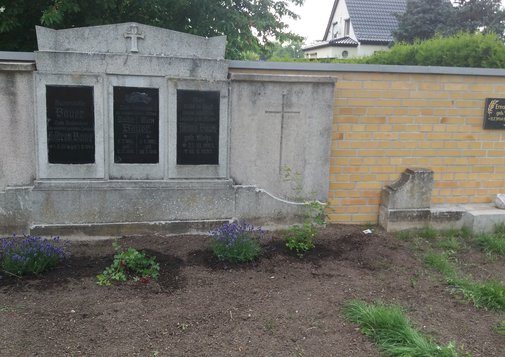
[70, 125]
[494, 113]
[136, 125]
[197, 127]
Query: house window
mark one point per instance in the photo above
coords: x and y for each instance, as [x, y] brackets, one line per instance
[334, 29]
[347, 27]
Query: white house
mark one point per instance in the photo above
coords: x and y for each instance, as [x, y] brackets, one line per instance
[357, 28]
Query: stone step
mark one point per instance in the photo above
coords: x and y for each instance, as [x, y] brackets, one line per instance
[483, 218]
[479, 218]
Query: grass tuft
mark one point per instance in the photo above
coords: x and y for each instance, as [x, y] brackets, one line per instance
[405, 235]
[466, 233]
[390, 328]
[501, 328]
[492, 243]
[500, 229]
[450, 243]
[440, 263]
[487, 295]
[427, 233]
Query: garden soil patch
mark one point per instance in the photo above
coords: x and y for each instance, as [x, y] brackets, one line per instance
[280, 305]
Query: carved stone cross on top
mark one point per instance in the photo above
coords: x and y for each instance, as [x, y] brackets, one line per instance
[283, 112]
[134, 35]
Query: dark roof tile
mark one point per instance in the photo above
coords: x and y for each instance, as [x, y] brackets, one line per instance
[374, 20]
[344, 42]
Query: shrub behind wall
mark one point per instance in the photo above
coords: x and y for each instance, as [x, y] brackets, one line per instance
[461, 50]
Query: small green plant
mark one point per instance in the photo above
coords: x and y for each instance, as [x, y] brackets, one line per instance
[295, 180]
[299, 352]
[269, 327]
[6, 308]
[315, 213]
[129, 264]
[501, 328]
[390, 328]
[29, 255]
[183, 326]
[300, 238]
[236, 242]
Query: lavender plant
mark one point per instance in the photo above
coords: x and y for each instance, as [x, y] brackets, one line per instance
[29, 255]
[236, 242]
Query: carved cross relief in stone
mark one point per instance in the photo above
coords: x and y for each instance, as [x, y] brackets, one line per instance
[283, 112]
[134, 35]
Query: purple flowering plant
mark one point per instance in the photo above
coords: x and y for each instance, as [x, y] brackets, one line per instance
[29, 255]
[236, 242]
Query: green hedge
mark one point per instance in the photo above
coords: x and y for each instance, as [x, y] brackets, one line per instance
[462, 50]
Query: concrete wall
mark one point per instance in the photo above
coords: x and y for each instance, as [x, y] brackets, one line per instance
[332, 52]
[271, 124]
[287, 153]
[17, 138]
[386, 122]
[17, 144]
[385, 119]
[389, 118]
[368, 50]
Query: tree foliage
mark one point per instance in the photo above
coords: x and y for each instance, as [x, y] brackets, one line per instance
[285, 52]
[423, 19]
[250, 25]
[461, 50]
[470, 15]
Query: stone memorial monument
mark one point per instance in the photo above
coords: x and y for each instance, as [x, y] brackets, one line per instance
[141, 129]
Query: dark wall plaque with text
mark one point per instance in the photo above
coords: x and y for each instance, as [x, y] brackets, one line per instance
[136, 125]
[70, 125]
[197, 127]
[494, 113]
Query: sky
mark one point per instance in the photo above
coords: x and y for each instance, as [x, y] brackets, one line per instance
[314, 15]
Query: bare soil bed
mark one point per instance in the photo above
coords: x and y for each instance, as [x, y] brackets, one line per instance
[280, 305]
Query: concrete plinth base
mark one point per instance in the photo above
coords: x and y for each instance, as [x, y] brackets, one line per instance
[117, 208]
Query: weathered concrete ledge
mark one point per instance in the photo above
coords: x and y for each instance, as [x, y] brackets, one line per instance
[319, 67]
[17, 67]
[94, 230]
[479, 218]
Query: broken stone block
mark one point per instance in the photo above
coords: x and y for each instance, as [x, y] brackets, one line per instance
[500, 201]
[411, 191]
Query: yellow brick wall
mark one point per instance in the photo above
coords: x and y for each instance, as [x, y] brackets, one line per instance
[385, 123]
